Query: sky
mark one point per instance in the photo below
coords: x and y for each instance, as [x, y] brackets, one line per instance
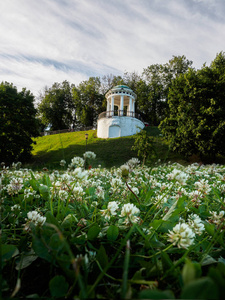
[48, 41]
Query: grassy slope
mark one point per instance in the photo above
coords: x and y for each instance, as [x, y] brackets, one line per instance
[49, 150]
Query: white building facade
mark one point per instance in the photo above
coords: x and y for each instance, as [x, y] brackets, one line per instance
[120, 118]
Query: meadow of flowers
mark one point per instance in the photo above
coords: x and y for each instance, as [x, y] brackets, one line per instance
[132, 232]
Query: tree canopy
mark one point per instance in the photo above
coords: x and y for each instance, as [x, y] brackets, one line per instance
[56, 107]
[88, 100]
[195, 121]
[18, 123]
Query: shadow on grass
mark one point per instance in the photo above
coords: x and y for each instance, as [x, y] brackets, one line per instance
[109, 153]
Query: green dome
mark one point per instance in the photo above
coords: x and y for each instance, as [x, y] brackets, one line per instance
[121, 87]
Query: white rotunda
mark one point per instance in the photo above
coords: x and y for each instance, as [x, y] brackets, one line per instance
[120, 118]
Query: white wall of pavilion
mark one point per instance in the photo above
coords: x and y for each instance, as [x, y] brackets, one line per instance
[120, 118]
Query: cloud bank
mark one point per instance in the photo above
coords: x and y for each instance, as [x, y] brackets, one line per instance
[49, 41]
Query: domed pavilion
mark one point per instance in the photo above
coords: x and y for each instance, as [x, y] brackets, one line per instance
[120, 118]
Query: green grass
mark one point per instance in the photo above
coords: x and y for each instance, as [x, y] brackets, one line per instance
[49, 150]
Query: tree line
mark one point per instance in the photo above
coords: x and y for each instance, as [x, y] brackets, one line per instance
[65, 105]
[186, 103]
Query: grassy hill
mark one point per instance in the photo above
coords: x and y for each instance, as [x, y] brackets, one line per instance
[49, 150]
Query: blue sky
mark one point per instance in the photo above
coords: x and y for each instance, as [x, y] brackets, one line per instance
[47, 41]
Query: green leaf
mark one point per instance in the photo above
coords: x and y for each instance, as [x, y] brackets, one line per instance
[210, 228]
[208, 260]
[26, 260]
[40, 249]
[221, 260]
[69, 221]
[201, 288]
[102, 257]
[7, 252]
[47, 181]
[112, 233]
[58, 286]
[51, 219]
[156, 294]
[190, 271]
[55, 242]
[44, 191]
[156, 223]
[93, 232]
[166, 261]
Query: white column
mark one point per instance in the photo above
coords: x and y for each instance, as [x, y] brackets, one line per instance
[121, 104]
[108, 108]
[134, 108]
[108, 105]
[112, 106]
[130, 107]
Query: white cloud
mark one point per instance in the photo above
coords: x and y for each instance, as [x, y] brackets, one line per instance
[49, 41]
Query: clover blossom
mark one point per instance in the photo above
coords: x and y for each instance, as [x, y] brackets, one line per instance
[63, 195]
[78, 192]
[80, 174]
[133, 162]
[203, 186]
[129, 211]
[196, 196]
[217, 218]
[15, 185]
[36, 218]
[111, 210]
[125, 170]
[100, 192]
[181, 235]
[196, 224]
[89, 155]
[15, 207]
[76, 162]
[180, 176]
[62, 162]
[29, 192]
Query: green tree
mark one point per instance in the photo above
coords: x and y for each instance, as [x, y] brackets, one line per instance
[195, 123]
[18, 123]
[56, 107]
[109, 81]
[143, 144]
[153, 88]
[88, 100]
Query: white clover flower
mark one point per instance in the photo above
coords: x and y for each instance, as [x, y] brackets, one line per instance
[181, 235]
[29, 192]
[111, 210]
[63, 195]
[36, 218]
[116, 182]
[129, 211]
[179, 175]
[89, 155]
[62, 163]
[113, 206]
[15, 207]
[125, 170]
[100, 192]
[203, 186]
[216, 218]
[133, 162]
[66, 177]
[80, 174]
[15, 185]
[196, 224]
[78, 192]
[196, 196]
[76, 162]
[135, 190]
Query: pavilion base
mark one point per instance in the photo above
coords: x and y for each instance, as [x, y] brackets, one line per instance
[118, 126]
